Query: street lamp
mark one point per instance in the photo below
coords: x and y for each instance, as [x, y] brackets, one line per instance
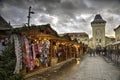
[30, 12]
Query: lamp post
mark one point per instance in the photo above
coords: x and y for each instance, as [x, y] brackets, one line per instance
[30, 12]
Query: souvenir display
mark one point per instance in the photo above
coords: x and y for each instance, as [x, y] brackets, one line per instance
[28, 53]
[36, 48]
[44, 51]
[31, 57]
[37, 62]
[41, 58]
[24, 51]
[18, 52]
[35, 53]
[33, 49]
[32, 64]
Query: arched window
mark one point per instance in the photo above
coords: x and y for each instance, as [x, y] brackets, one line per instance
[98, 32]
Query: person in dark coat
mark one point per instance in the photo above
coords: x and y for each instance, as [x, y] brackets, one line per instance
[90, 51]
[93, 51]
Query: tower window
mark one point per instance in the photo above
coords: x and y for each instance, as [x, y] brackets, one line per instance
[100, 40]
[97, 40]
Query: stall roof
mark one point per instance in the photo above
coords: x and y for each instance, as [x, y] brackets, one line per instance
[109, 44]
[118, 42]
[66, 36]
[38, 29]
[3, 24]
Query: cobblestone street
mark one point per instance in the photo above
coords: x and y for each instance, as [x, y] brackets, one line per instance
[90, 68]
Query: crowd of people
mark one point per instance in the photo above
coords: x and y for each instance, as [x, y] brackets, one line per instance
[97, 51]
[113, 54]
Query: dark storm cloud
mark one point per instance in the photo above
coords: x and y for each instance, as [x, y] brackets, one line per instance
[104, 4]
[23, 3]
[75, 15]
[67, 5]
[50, 0]
[16, 3]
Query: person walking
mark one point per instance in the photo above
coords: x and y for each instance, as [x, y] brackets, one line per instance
[90, 51]
[93, 51]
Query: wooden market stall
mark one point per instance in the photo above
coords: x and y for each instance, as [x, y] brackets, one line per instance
[42, 47]
[4, 28]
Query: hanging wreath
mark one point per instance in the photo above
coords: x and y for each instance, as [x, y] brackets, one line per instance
[37, 62]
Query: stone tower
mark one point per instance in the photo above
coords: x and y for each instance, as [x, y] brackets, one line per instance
[98, 31]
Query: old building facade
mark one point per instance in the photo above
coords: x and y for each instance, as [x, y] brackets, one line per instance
[4, 32]
[98, 31]
[117, 33]
[109, 40]
[81, 37]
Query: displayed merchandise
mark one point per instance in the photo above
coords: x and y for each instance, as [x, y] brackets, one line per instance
[44, 51]
[18, 53]
[28, 54]
[37, 62]
[35, 53]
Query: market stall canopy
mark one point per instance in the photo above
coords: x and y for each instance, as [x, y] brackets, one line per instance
[118, 42]
[4, 25]
[4, 28]
[35, 30]
[44, 36]
[66, 36]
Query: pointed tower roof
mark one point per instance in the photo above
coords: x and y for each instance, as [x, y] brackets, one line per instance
[3, 24]
[117, 28]
[98, 19]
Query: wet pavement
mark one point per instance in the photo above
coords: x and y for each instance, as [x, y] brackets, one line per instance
[90, 68]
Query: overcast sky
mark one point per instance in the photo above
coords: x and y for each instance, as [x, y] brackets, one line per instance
[64, 15]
